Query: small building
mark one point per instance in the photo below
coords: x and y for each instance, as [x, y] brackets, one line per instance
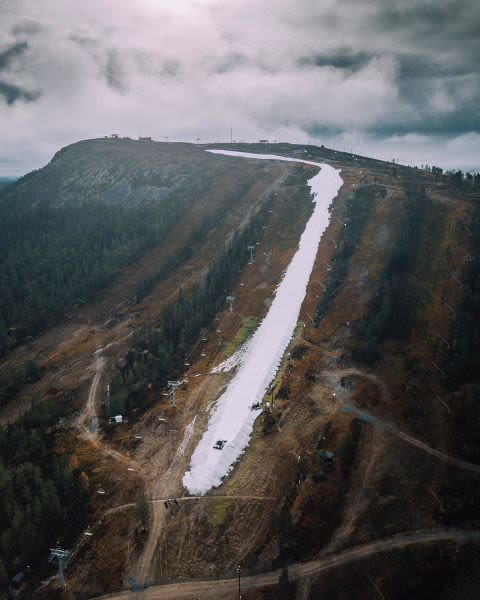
[116, 419]
[144, 139]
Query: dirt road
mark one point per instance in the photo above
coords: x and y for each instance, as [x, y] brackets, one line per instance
[389, 427]
[226, 588]
[86, 419]
[333, 377]
[168, 486]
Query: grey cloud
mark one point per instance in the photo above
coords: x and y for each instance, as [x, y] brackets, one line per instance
[230, 62]
[344, 58]
[84, 40]
[9, 89]
[114, 72]
[27, 28]
[8, 55]
[12, 93]
[277, 68]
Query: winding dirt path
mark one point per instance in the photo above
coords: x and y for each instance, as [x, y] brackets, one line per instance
[366, 417]
[226, 588]
[334, 376]
[89, 412]
[170, 485]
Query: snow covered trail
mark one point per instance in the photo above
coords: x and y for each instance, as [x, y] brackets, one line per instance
[232, 418]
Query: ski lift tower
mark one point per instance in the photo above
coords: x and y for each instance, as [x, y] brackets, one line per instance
[231, 300]
[60, 556]
[251, 249]
[174, 385]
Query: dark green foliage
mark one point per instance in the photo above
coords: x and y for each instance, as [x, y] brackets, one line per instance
[464, 359]
[466, 421]
[357, 212]
[298, 352]
[282, 521]
[462, 364]
[284, 587]
[158, 351]
[13, 378]
[391, 311]
[41, 498]
[198, 236]
[54, 256]
[347, 451]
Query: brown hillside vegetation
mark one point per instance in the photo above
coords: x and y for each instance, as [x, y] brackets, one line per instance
[355, 480]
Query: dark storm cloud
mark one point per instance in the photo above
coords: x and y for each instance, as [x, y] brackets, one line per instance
[114, 71]
[12, 93]
[454, 17]
[352, 70]
[8, 55]
[342, 59]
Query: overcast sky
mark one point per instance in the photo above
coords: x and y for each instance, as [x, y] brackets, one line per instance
[393, 79]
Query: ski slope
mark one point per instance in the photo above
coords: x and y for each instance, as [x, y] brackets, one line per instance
[232, 418]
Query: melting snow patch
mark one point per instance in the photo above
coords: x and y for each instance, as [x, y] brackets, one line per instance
[232, 418]
[232, 361]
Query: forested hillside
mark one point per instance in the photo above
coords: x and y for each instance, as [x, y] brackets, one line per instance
[117, 260]
[67, 229]
[40, 491]
[6, 181]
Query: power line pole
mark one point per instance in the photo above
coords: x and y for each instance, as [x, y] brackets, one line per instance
[173, 385]
[239, 588]
[60, 556]
[230, 300]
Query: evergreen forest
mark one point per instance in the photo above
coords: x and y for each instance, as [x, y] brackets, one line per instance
[43, 494]
[54, 257]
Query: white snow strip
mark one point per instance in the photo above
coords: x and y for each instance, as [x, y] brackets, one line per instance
[232, 418]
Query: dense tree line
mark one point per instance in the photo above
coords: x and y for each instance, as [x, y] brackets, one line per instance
[42, 494]
[12, 379]
[457, 178]
[358, 209]
[158, 351]
[464, 180]
[464, 357]
[391, 312]
[54, 256]
[198, 236]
